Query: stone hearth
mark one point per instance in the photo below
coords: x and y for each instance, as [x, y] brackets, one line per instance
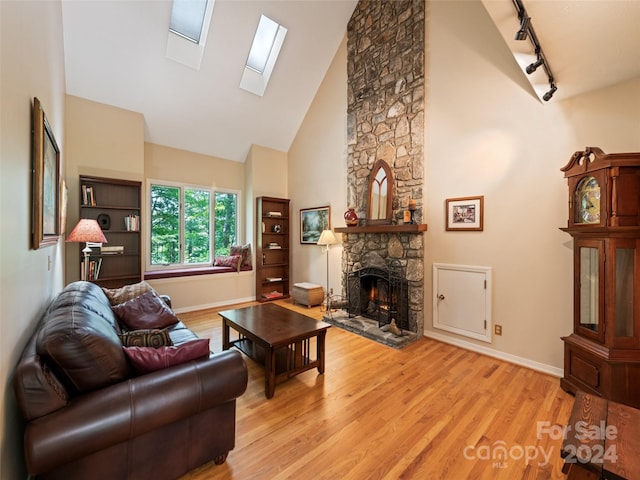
[369, 328]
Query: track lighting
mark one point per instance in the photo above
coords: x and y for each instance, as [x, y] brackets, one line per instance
[524, 26]
[534, 66]
[547, 96]
[527, 31]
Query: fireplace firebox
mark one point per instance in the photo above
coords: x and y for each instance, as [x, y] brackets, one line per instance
[380, 294]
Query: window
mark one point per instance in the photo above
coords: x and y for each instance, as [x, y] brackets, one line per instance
[264, 52]
[181, 218]
[187, 18]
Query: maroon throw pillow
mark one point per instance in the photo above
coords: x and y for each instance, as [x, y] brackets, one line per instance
[145, 312]
[149, 359]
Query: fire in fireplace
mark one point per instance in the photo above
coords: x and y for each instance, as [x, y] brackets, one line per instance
[380, 294]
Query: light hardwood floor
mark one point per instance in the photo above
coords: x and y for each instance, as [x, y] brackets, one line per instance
[429, 411]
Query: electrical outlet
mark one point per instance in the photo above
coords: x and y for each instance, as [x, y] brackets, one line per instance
[497, 329]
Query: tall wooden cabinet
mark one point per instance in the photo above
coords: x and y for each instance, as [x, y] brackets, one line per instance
[115, 204]
[272, 248]
[602, 355]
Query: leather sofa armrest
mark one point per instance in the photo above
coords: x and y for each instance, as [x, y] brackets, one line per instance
[127, 409]
[166, 299]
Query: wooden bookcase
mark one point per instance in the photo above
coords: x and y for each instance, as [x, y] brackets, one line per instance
[272, 248]
[115, 204]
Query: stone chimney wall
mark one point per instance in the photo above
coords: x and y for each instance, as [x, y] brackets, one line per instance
[385, 109]
[385, 120]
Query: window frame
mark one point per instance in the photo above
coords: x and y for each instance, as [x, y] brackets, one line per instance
[182, 186]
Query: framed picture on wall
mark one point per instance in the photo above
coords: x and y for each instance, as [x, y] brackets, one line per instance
[465, 213]
[46, 213]
[312, 222]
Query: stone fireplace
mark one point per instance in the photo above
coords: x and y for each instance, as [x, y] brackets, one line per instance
[385, 121]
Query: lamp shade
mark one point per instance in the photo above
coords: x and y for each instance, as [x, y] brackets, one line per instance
[87, 230]
[327, 238]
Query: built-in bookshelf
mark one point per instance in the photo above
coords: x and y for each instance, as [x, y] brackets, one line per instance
[272, 248]
[115, 204]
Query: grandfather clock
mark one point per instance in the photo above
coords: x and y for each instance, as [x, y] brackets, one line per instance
[602, 355]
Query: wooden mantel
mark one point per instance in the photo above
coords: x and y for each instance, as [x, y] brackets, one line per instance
[405, 228]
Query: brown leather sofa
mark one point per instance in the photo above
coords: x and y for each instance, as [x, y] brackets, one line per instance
[93, 417]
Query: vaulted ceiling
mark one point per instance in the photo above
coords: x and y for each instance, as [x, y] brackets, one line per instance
[115, 54]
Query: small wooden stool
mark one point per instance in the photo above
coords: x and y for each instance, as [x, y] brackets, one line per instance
[308, 294]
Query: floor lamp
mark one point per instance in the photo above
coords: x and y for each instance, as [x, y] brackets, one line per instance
[327, 238]
[88, 231]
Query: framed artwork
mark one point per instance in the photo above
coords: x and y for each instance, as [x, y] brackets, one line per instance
[46, 182]
[312, 222]
[465, 213]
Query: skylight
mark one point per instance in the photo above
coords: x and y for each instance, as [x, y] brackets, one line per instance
[188, 28]
[187, 17]
[264, 52]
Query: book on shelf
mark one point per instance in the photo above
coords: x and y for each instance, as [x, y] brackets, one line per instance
[93, 270]
[110, 249]
[274, 214]
[88, 197]
[273, 279]
[132, 223]
[273, 245]
[273, 295]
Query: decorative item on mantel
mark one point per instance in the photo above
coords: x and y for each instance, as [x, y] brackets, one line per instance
[351, 217]
[412, 208]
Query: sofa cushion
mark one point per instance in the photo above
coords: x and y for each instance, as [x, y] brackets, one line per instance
[148, 359]
[146, 311]
[79, 337]
[146, 338]
[120, 295]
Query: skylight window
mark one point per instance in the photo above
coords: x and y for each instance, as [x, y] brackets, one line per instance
[187, 18]
[188, 28]
[264, 52]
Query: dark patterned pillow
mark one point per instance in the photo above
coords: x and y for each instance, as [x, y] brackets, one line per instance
[150, 337]
[146, 311]
[228, 261]
[245, 253]
[145, 359]
[117, 296]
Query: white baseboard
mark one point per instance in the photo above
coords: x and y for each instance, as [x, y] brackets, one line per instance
[490, 352]
[232, 301]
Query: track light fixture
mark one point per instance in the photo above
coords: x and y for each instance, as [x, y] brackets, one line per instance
[527, 31]
[534, 66]
[547, 96]
[524, 27]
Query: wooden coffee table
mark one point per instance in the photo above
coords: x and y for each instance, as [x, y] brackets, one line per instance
[278, 338]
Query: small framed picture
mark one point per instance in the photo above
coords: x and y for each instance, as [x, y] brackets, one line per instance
[465, 213]
[312, 222]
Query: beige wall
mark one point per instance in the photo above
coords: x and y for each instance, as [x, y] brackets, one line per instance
[104, 141]
[317, 173]
[32, 66]
[488, 135]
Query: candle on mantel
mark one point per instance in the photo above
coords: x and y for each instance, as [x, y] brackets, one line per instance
[412, 204]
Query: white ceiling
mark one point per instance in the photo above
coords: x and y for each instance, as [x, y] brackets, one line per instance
[115, 54]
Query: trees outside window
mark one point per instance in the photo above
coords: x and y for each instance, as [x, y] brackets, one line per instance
[181, 219]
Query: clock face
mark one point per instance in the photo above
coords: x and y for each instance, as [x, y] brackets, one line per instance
[587, 201]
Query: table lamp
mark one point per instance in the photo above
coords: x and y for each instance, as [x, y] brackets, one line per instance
[327, 238]
[88, 231]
